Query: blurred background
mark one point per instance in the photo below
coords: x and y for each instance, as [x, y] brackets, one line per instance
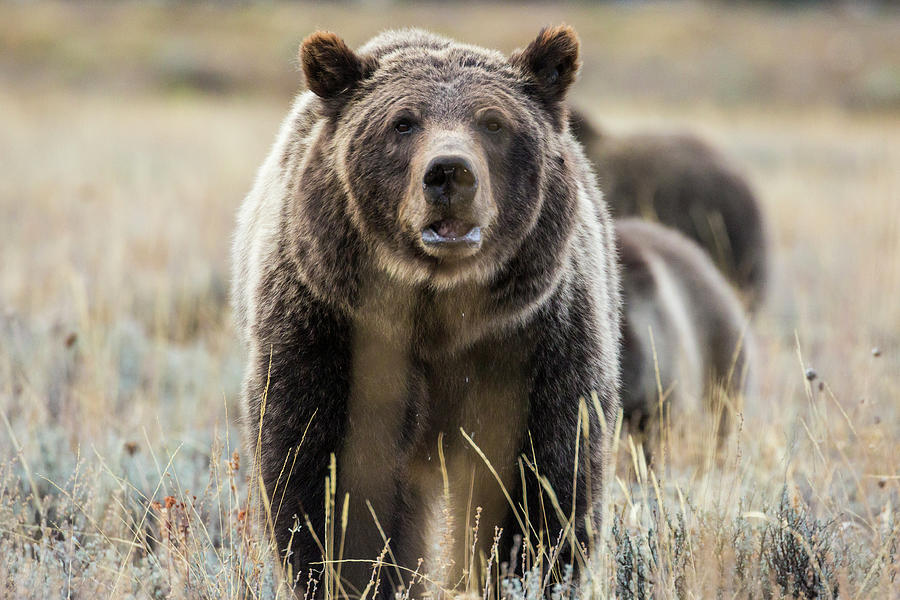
[129, 133]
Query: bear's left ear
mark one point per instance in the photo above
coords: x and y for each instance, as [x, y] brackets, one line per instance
[552, 62]
[331, 68]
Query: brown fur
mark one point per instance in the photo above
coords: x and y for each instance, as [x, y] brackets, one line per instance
[329, 65]
[373, 345]
[682, 182]
[681, 322]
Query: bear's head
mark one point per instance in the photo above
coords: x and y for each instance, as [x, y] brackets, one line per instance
[443, 150]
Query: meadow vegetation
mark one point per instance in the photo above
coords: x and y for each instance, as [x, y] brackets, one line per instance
[128, 136]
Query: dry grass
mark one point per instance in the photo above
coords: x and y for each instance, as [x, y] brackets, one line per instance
[119, 370]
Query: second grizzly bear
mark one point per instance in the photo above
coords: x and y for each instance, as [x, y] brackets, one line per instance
[685, 336]
[425, 266]
[682, 182]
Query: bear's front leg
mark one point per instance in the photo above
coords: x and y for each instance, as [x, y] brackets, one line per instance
[568, 364]
[296, 397]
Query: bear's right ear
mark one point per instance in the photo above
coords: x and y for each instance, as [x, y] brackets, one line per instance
[331, 68]
[551, 63]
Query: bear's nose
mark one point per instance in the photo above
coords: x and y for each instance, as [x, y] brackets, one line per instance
[448, 180]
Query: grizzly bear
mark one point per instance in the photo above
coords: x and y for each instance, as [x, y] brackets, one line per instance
[680, 181]
[425, 277]
[685, 337]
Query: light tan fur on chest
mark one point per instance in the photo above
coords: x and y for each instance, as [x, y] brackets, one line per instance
[480, 390]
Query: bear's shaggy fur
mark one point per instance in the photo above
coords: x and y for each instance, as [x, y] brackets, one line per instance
[683, 324]
[680, 181]
[425, 265]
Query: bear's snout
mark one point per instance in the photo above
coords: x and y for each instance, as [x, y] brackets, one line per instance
[453, 219]
[450, 180]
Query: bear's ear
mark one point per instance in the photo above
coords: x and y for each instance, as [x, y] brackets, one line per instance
[330, 66]
[552, 62]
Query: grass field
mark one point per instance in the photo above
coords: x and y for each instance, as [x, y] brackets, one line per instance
[128, 136]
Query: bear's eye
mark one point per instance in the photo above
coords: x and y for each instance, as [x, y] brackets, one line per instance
[493, 126]
[403, 126]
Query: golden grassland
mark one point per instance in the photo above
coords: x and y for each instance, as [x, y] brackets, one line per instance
[128, 135]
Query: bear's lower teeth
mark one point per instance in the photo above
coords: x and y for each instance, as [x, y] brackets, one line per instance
[450, 228]
[452, 232]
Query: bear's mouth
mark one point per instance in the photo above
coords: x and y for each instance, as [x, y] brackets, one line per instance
[452, 233]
